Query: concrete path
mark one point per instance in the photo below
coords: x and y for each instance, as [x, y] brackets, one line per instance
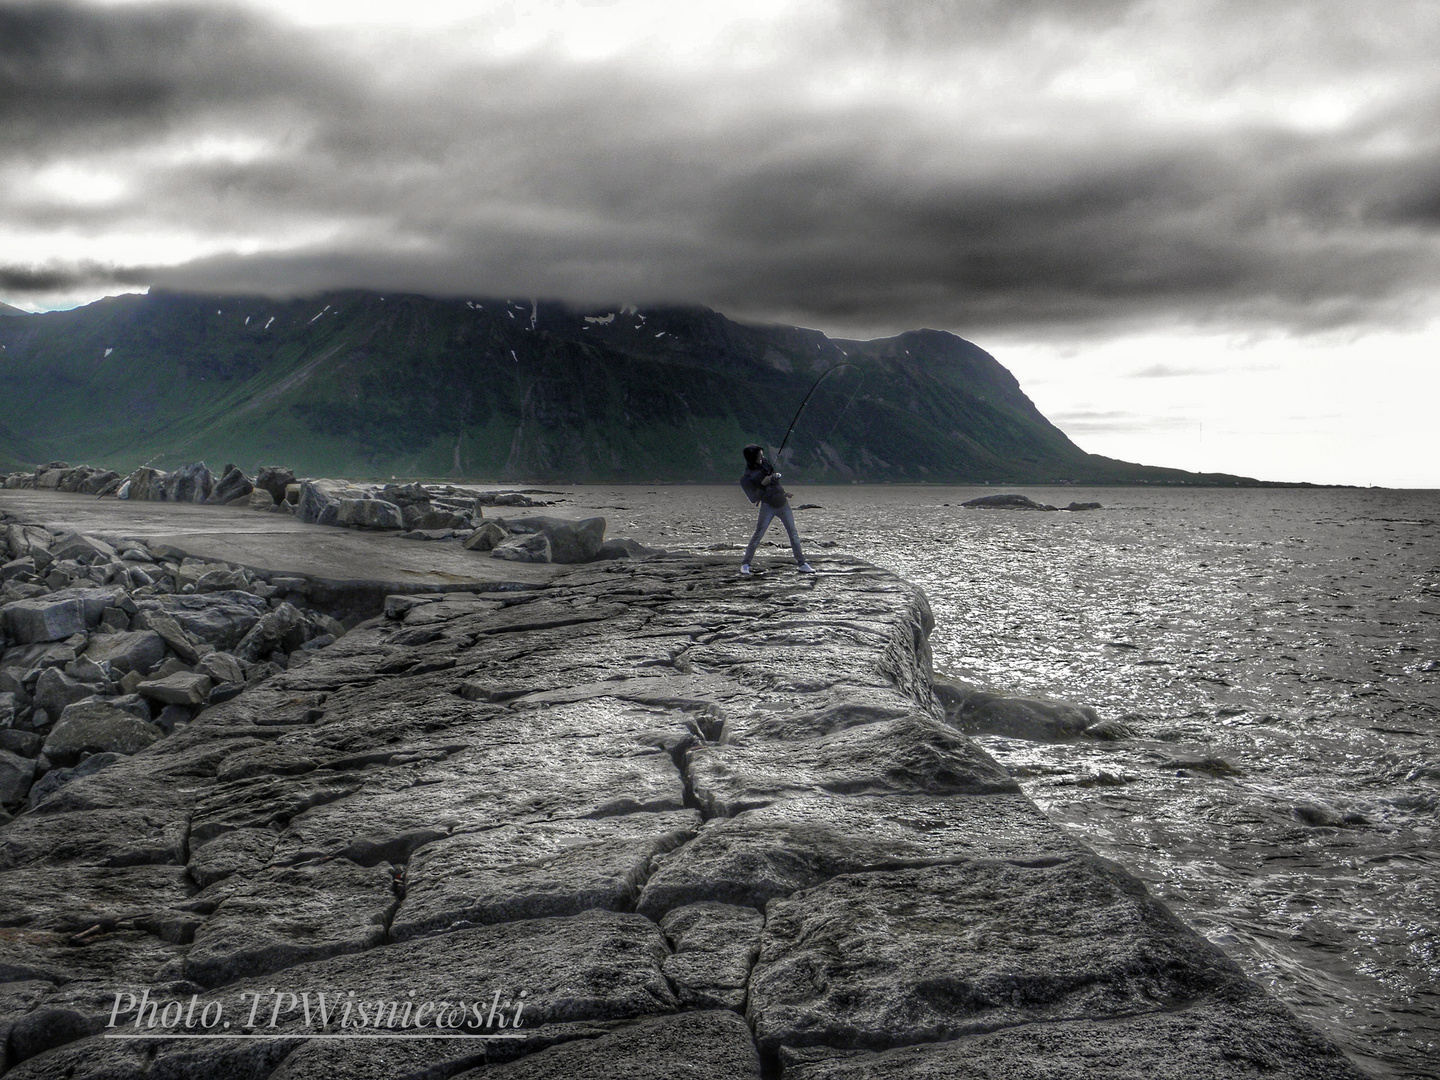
[275, 543]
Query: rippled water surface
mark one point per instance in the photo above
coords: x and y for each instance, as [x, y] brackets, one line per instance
[1276, 655]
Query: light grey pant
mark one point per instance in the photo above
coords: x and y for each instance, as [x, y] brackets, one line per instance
[768, 514]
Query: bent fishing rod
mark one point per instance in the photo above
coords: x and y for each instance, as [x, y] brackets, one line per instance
[813, 386]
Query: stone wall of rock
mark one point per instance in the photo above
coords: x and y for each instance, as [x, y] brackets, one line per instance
[686, 823]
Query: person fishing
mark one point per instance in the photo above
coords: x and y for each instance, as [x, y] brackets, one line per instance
[761, 484]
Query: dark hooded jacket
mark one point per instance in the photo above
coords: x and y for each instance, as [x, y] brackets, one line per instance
[772, 494]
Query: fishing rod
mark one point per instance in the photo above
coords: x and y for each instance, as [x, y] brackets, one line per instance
[813, 387]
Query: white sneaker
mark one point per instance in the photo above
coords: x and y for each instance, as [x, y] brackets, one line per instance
[805, 568]
[745, 569]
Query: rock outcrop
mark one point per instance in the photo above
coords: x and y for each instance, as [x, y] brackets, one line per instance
[617, 810]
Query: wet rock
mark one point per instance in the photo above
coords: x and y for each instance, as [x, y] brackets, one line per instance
[369, 514]
[1008, 502]
[913, 756]
[189, 484]
[715, 946]
[1076, 506]
[1213, 1040]
[169, 631]
[30, 621]
[25, 743]
[536, 870]
[531, 548]
[788, 846]
[283, 629]
[290, 915]
[485, 538]
[55, 779]
[146, 484]
[570, 541]
[136, 650]
[260, 499]
[979, 712]
[16, 775]
[881, 960]
[91, 727]
[219, 619]
[221, 668]
[23, 541]
[222, 581]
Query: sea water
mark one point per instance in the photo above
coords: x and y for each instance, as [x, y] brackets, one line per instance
[1275, 655]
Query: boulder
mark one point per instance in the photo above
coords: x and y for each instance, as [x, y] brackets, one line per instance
[221, 618]
[8, 709]
[221, 668]
[223, 580]
[622, 547]
[97, 482]
[132, 650]
[145, 484]
[532, 548]
[21, 568]
[417, 518]
[978, 712]
[169, 631]
[274, 479]
[30, 621]
[283, 629]
[1007, 502]
[84, 549]
[412, 494]
[260, 499]
[23, 540]
[1084, 506]
[319, 502]
[54, 690]
[233, 484]
[25, 743]
[570, 541]
[189, 483]
[16, 775]
[369, 514]
[55, 779]
[181, 688]
[485, 538]
[96, 727]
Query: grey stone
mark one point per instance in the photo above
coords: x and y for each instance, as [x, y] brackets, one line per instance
[222, 580]
[285, 916]
[135, 650]
[787, 846]
[260, 499]
[30, 621]
[369, 514]
[885, 959]
[181, 688]
[84, 549]
[8, 709]
[100, 483]
[485, 538]
[980, 712]
[1213, 1040]
[170, 633]
[28, 541]
[25, 743]
[715, 947]
[172, 716]
[274, 479]
[694, 1044]
[319, 502]
[55, 779]
[23, 568]
[146, 485]
[221, 668]
[96, 727]
[283, 629]
[532, 548]
[912, 756]
[16, 775]
[622, 547]
[426, 519]
[1007, 502]
[536, 870]
[54, 690]
[119, 836]
[190, 483]
[570, 541]
[243, 851]
[233, 484]
[219, 619]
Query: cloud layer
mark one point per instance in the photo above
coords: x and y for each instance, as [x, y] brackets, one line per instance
[864, 167]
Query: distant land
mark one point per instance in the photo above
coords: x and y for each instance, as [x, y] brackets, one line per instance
[365, 385]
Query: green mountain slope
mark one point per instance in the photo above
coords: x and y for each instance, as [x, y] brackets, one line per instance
[363, 385]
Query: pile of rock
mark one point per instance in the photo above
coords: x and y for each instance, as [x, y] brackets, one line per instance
[61, 476]
[1024, 502]
[108, 646]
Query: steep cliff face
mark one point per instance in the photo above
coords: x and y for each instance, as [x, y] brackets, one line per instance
[361, 384]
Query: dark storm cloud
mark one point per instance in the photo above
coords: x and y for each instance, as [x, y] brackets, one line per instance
[39, 279]
[614, 181]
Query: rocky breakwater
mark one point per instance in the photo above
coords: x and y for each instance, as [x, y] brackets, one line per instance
[107, 647]
[652, 820]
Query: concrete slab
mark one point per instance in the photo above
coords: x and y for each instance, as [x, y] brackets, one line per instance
[276, 542]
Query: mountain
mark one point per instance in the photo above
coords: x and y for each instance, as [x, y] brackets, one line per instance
[7, 309]
[363, 385]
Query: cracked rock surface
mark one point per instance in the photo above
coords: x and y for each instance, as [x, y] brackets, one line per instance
[681, 823]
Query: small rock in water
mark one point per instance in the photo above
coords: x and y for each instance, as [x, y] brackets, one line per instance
[1007, 502]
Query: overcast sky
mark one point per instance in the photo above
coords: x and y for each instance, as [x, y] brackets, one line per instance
[1202, 233]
